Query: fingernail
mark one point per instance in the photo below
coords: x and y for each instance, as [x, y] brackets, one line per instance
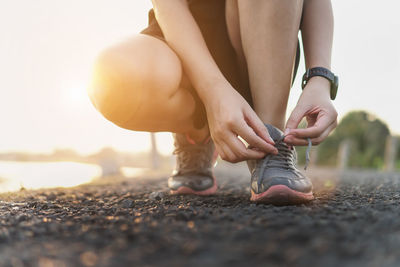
[269, 137]
[287, 131]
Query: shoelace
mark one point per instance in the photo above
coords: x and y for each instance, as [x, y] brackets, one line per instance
[308, 153]
[285, 158]
[192, 157]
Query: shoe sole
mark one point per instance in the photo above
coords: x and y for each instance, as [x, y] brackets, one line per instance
[184, 190]
[281, 195]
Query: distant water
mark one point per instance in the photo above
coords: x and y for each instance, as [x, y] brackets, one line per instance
[34, 175]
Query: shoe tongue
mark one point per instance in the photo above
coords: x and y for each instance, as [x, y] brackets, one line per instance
[274, 132]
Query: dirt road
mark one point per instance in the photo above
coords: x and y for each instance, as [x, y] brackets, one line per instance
[354, 221]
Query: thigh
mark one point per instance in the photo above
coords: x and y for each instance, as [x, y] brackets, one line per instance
[199, 116]
[142, 69]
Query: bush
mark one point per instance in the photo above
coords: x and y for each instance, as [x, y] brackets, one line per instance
[367, 135]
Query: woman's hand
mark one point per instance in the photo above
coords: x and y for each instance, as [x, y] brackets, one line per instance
[229, 116]
[316, 106]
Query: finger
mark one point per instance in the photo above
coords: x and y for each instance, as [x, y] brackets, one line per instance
[228, 153]
[254, 140]
[220, 149]
[295, 117]
[244, 153]
[258, 126]
[324, 135]
[220, 152]
[295, 141]
[316, 130]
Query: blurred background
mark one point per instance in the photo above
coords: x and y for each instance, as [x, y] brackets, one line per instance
[51, 135]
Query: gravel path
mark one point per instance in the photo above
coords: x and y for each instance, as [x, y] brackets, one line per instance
[354, 221]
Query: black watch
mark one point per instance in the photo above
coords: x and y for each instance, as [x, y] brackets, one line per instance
[322, 72]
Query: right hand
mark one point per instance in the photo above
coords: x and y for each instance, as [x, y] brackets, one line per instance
[229, 116]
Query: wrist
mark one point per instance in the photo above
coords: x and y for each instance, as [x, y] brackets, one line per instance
[209, 88]
[324, 73]
[318, 85]
[320, 81]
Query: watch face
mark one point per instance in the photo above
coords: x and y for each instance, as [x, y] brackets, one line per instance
[334, 87]
[304, 81]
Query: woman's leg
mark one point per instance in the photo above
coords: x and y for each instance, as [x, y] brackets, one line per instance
[267, 35]
[139, 85]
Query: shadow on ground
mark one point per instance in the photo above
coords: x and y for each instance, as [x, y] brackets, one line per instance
[354, 221]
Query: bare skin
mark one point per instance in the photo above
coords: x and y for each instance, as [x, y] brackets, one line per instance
[269, 60]
[140, 85]
[314, 103]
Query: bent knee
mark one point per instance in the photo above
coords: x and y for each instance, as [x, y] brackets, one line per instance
[131, 73]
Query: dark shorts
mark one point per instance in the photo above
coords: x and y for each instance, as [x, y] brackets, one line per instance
[210, 17]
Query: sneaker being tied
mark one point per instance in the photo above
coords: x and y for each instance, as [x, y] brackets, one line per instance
[275, 179]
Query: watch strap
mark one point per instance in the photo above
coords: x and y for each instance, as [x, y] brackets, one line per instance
[322, 72]
[317, 71]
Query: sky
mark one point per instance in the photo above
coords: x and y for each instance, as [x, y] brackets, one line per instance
[47, 50]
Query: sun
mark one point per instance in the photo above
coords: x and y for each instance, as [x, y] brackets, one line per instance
[76, 95]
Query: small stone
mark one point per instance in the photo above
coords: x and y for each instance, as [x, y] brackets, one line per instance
[127, 203]
[167, 202]
[51, 197]
[21, 218]
[156, 195]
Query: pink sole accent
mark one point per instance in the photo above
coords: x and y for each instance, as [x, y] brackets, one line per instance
[190, 140]
[205, 141]
[184, 190]
[281, 195]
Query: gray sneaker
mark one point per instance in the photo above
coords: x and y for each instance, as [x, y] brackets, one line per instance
[275, 179]
[194, 164]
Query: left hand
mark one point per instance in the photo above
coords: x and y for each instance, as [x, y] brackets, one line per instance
[321, 115]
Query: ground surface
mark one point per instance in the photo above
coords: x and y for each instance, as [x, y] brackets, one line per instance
[354, 221]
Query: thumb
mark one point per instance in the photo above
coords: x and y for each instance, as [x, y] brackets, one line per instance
[295, 117]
